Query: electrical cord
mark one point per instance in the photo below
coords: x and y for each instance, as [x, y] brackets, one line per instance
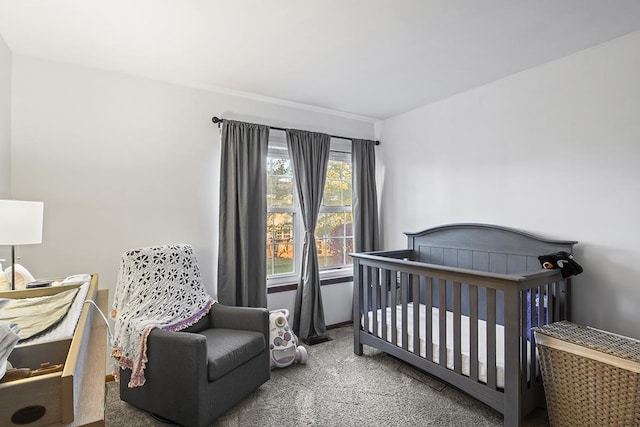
[111, 343]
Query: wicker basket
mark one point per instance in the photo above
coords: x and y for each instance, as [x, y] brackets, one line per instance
[590, 377]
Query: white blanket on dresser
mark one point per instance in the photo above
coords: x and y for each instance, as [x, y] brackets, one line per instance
[35, 315]
[435, 345]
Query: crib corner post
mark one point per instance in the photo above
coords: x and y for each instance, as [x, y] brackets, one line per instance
[512, 358]
[357, 306]
[512, 416]
[357, 346]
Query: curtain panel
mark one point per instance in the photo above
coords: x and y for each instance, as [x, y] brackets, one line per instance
[309, 152]
[366, 232]
[242, 243]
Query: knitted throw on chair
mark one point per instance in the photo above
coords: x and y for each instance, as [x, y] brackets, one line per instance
[157, 287]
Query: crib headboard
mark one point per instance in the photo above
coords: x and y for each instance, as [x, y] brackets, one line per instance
[483, 247]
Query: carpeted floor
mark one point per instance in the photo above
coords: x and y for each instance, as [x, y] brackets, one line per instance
[338, 388]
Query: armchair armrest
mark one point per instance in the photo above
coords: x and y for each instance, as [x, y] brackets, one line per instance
[245, 318]
[176, 375]
[170, 349]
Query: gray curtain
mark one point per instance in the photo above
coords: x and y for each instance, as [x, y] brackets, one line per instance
[242, 269]
[309, 154]
[366, 233]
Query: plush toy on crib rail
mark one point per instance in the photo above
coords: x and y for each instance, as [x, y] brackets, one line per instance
[562, 260]
[283, 344]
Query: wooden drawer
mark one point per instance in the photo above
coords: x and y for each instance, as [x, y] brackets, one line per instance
[74, 396]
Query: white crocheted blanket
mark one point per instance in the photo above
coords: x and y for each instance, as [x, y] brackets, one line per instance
[157, 287]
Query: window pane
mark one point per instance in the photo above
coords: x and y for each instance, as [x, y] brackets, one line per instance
[348, 249]
[333, 193]
[280, 243]
[322, 256]
[278, 165]
[283, 262]
[321, 229]
[347, 194]
[280, 192]
[335, 251]
[337, 188]
[327, 224]
[334, 239]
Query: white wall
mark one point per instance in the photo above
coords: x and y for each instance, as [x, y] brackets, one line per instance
[553, 150]
[123, 162]
[336, 301]
[5, 120]
[5, 132]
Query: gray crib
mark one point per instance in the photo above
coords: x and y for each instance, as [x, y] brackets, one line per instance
[459, 303]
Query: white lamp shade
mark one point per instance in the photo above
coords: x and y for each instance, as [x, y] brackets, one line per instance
[20, 222]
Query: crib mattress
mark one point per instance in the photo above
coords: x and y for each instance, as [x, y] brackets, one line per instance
[435, 345]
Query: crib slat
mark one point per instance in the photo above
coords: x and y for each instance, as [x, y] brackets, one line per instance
[358, 309]
[442, 323]
[366, 272]
[557, 299]
[383, 304]
[428, 316]
[393, 305]
[551, 303]
[457, 329]
[533, 364]
[404, 291]
[473, 332]
[525, 324]
[415, 282]
[561, 294]
[491, 338]
[375, 274]
[513, 376]
[541, 305]
[543, 308]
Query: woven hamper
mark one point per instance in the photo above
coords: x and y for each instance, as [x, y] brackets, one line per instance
[590, 377]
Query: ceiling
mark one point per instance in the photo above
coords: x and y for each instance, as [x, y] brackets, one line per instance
[371, 59]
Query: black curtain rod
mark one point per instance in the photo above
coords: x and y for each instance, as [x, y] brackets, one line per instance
[218, 120]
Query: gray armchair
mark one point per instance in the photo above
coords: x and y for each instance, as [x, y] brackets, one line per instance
[196, 375]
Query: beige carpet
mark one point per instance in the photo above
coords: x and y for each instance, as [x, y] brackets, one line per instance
[338, 388]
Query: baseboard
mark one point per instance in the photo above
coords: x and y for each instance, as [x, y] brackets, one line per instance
[339, 325]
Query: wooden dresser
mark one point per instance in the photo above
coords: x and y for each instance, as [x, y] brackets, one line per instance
[73, 397]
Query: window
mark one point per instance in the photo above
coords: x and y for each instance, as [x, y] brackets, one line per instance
[285, 231]
[334, 237]
[280, 213]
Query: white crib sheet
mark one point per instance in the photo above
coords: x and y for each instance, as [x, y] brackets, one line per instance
[465, 341]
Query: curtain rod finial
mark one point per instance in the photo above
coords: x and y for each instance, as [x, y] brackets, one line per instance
[216, 120]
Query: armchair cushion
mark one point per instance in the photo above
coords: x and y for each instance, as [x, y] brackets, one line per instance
[229, 348]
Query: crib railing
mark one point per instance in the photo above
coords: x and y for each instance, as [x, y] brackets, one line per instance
[518, 302]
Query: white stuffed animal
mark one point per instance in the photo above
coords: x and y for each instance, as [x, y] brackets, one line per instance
[283, 343]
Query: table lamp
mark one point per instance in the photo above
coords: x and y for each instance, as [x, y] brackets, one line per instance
[20, 224]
